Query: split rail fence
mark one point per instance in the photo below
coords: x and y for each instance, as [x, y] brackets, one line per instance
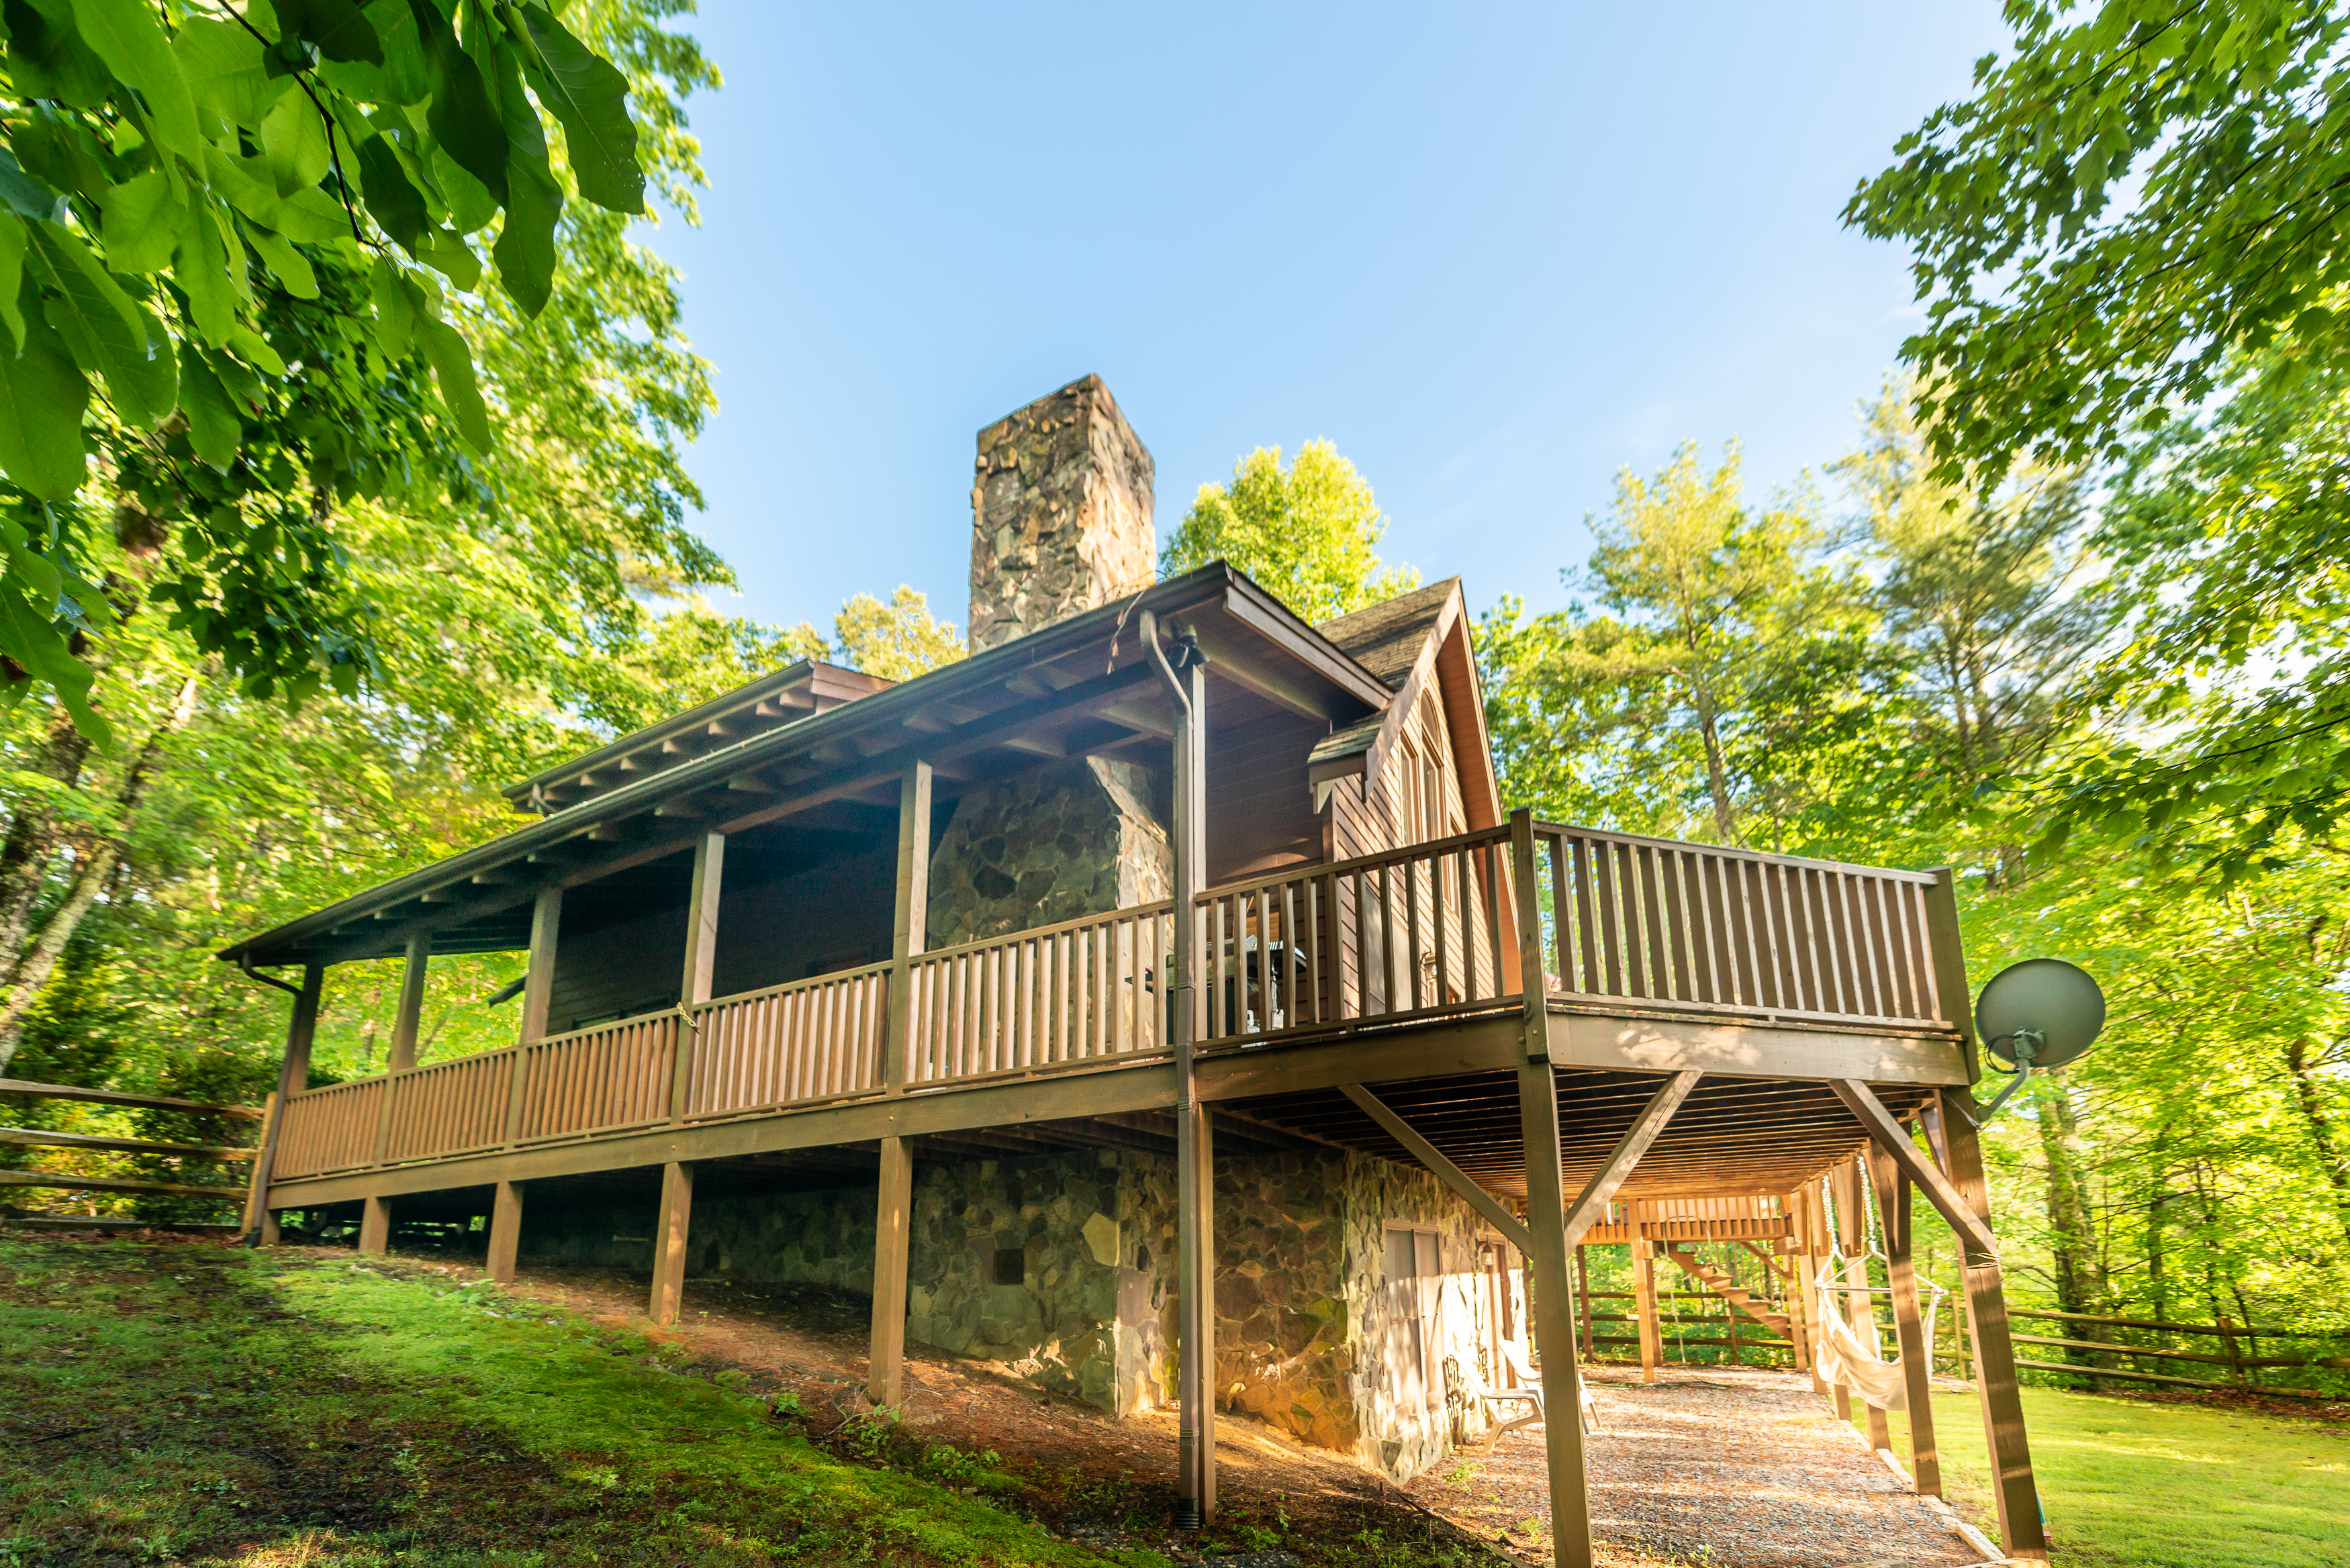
[88, 1143]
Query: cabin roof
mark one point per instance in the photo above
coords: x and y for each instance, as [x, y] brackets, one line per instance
[797, 691]
[1080, 687]
[1386, 639]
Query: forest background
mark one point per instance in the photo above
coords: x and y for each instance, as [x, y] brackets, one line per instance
[2091, 658]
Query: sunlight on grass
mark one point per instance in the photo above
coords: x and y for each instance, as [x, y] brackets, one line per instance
[2130, 1485]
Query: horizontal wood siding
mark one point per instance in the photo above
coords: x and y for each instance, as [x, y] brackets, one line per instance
[1263, 814]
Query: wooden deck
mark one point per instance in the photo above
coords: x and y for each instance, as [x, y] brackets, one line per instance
[1392, 968]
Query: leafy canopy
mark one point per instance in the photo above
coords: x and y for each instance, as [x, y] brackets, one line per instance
[2130, 241]
[228, 243]
[1304, 533]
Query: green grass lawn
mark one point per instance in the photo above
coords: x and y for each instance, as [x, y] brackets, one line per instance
[2127, 1484]
[207, 1407]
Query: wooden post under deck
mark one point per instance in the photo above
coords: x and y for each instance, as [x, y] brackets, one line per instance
[2022, 1535]
[1800, 1203]
[505, 1231]
[410, 1016]
[885, 1376]
[293, 1074]
[375, 1225]
[1644, 1297]
[1554, 1311]
[669, 1241]
[1852, 1235]
[884, 1372]
[1916, 1355]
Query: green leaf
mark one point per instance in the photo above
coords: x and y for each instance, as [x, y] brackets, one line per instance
[26, 194]
[335, 28]
[526, 244]
[463, 117]
[30, 634]
[255, 351]
[106, 333]
[12, 275]
[142, 225]
[401, 79]
[590, 98]
[470, 204]
[127, 37]
[222, 65]
[294, 144]
[449, 255]
[46, 58]
[42, 396]
[203, 273]
[215, 429]
[291, 266]
[395, 309]
[452, 366]
[392, 196]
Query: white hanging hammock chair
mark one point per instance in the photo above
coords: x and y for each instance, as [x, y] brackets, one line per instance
[1844, 1357]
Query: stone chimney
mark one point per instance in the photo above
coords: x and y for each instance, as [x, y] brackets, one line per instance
[1060, 513]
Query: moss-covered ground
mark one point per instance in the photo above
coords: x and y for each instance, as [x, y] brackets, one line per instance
[167, 1404]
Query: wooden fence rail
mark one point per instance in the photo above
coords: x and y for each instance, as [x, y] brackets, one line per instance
[68, 1181]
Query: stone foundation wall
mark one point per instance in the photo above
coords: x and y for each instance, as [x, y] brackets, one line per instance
[1305, 1332]
[1284, 1350]
[1392, 1435]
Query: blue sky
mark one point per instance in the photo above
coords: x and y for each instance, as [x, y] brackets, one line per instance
[1494, 254]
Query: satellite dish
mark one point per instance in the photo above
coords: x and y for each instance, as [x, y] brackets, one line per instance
[2038, 1015]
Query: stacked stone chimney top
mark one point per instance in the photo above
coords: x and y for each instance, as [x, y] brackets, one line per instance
[1060, 512]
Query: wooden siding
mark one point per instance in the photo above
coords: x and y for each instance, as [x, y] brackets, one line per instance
[1263, 814]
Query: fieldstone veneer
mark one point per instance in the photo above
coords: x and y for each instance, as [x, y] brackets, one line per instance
[1060, 513]
[1051, 844]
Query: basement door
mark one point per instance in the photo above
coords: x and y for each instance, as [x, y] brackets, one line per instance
[1414, 1286]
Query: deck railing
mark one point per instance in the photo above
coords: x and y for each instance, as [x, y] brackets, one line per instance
[1411, 933]
[1692, 926]
[1427, 931]
[1082, 990]
[818, 1039]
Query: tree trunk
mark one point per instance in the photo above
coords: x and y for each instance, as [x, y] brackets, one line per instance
[2073, 1241]
[92, 872]
[2330, 1158]
[32, 840]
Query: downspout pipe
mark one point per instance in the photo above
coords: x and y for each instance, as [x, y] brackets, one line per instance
[1195, 1456]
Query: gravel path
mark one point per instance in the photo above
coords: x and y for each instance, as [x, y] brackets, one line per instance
[1713, 1465]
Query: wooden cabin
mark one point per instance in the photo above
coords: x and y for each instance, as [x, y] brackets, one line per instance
[1162, 1002]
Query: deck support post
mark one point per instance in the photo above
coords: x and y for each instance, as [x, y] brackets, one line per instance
[1554, 1310]
[1806, 1294]
[1644, 1298]
[406, 1023]
[669, 1241]
[292, 1073]
[375, 1225]
[505, 1231]
[1916, 1355]
[1185, 675]
[885, 1376]
[1950, 1126]
[1852, 1238]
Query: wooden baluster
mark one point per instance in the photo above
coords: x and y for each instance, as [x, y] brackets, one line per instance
[1495, 859]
